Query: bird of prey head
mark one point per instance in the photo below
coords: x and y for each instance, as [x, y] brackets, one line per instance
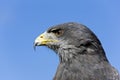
[81, 54]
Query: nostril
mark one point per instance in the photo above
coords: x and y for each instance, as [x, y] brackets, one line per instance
[41, 36]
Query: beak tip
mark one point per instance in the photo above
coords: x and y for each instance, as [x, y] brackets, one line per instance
[34, 48]
[34, 45]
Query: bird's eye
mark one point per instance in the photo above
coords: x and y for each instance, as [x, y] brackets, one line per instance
[57, 32]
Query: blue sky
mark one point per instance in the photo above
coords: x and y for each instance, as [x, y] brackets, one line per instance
[21, 21]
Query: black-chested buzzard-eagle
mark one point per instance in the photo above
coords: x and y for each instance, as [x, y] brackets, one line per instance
[81, 54]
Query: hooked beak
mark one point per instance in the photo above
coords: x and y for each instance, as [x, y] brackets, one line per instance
[44, 39]
[34, 45]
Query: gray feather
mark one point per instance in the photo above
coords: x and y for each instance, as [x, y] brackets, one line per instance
[82, 56]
